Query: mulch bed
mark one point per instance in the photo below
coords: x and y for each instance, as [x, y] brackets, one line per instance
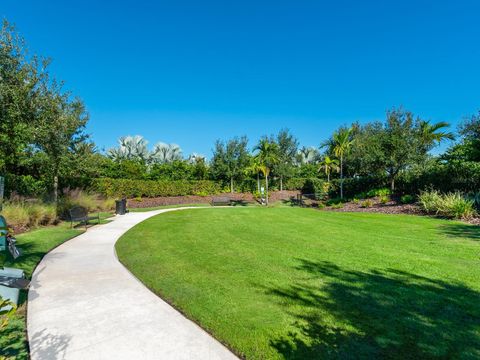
[191, 199]
[388, 208]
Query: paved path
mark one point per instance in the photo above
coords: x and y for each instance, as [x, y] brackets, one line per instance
[83, 304]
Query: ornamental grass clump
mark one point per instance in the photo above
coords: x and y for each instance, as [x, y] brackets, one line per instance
[452, 205]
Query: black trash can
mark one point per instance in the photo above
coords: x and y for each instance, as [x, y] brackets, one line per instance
[121, 207]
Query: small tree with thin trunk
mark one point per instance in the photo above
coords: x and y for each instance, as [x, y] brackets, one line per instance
[267, 156]
[328, 165]
[341, 143]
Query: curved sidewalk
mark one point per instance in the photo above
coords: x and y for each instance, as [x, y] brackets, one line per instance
[83, 304]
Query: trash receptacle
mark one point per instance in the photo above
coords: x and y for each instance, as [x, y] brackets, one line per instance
[121, 207]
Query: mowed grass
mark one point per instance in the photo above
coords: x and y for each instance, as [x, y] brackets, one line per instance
[304, 284]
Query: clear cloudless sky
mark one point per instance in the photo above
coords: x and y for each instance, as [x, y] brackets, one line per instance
[191, 72]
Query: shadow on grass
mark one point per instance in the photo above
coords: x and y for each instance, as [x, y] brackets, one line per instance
[461, 231]
[377, 315]
[239, 203]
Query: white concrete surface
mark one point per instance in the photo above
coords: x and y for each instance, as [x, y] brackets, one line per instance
[83, 304]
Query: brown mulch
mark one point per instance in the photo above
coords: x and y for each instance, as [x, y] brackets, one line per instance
[192, 199]
[388, 208]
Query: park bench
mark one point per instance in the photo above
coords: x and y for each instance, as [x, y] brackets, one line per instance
[221, 201]
[80, 214]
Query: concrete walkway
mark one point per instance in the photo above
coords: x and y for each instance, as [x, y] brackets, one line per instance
[83, 304]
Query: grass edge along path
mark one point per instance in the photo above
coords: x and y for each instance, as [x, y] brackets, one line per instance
[300, 284]
[34, 244]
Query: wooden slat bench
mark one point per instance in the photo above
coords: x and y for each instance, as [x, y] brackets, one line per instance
[221, 201]
[80, 214]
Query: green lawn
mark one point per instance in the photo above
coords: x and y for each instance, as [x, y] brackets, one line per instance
[305, 284]
[35, 245]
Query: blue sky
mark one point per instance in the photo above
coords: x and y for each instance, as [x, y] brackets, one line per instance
[190, 72]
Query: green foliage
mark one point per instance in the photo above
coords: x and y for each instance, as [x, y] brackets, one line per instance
[230, 160]
[368, 203]
[295, 184]
[407, 199]
[29, 215]
[7, 309]
[379, 192]
[317, 187]
[384, 199]
[451, 205]
[148, 188]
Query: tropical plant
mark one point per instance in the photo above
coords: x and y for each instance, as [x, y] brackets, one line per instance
[306, 155]
[267, 156]
[329, 165]
[433, 134]
[166, 153]
[7, 309]
[341, 143]
[132, 148]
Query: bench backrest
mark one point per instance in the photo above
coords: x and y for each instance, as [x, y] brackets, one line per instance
[78, 213]
[3, 233]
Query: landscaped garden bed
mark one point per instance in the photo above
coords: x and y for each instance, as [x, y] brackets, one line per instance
[294, 283]
[194, 199]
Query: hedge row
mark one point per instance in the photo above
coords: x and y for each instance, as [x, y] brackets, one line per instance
[149, 188]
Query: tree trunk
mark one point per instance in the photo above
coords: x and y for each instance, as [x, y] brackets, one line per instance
[281, 183]
[392, 184]
[231, 185]
[328, 177]
[258, 182]
[341, 177]
[266, 189]
[55, 189]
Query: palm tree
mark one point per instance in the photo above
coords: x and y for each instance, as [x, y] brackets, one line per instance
[254, 169]
[433, 134]
[341, 143]
[328, 165]
[130, 148]
[166, 153]
[267, 156]
[307, 155]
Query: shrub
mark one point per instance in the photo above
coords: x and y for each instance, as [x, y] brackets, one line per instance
[26, 215]
[334, 201]
[430, 201]
[384, 199]
[77, 197]
[451, 205]
[356, 200]
[455, 205]
[317, 187]
[294, 184]
[337, 206]
[379, 192]
[407, 199]
[367, 203]
[149, 188]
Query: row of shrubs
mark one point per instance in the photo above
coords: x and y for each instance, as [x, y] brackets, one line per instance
[149, 188]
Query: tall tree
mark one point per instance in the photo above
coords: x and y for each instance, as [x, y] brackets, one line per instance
[287, 151]
[61, 127]
[230, 160]
[20, 76]
[267, 156]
